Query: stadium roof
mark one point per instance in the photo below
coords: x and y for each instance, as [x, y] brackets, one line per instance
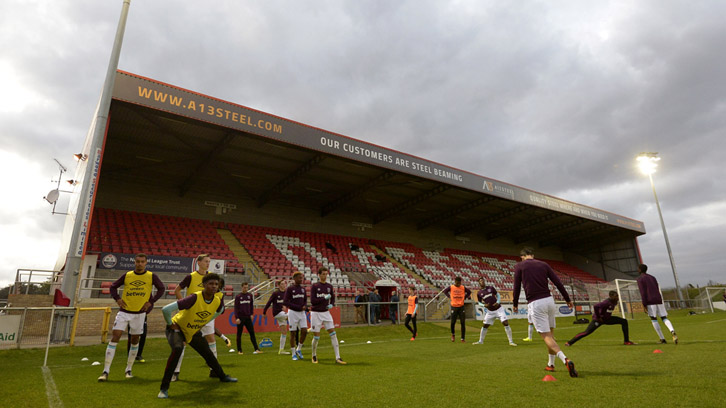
[159, 133]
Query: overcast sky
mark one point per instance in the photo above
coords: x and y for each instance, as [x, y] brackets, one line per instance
[554, 96]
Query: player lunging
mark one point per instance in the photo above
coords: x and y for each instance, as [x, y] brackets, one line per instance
[603, 314]
[184, 318]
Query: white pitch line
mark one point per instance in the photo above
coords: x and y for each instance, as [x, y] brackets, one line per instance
[51, 391]
[714, 321]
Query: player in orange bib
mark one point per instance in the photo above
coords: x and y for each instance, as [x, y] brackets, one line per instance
[458, 294]
[412, 311]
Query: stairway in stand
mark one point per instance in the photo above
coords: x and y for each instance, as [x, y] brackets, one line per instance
[243, 257]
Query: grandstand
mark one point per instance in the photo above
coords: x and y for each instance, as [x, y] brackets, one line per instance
[279, 253]
[183, 173]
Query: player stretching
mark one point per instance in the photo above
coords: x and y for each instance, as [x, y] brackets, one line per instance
[322, 300]
[412, 311]
[603, 314]
[533, 275]
[135, 302]
[193, 283]
[458, 293]
[276, 301]
[295, 299]
[189, 315]
[488, 298]
[653, 302]
[244, 308]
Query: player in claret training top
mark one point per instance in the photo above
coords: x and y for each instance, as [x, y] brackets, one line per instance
[296, 302]
[135, 302]
[488, 298]
[533, 274]
[184, 318]
[603, 314]
[653, 302]
[244, 308]
[322, 300]
[277, 300]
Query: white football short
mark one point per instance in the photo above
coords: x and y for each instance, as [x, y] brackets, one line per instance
[297, 320]
[133, 321]
[281, 318]
[320, 319]
[491, 316]
[543, 313]
[658, 310]
[208, 328]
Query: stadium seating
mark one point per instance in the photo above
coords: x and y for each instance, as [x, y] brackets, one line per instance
[353, 262]
[131, 232]
[280, 253]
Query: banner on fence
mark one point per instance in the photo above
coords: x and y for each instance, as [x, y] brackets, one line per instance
[156, 263]
[9, 329]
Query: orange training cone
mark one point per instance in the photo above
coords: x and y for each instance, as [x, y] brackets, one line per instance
[657, 351]
[549, 378]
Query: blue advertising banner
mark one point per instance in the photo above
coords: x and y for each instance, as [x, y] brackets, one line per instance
[155, 263]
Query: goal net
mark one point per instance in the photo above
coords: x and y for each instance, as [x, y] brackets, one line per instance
[630, 305]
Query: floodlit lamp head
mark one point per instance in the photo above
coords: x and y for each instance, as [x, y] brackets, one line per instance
[648, 162]
[52, 196]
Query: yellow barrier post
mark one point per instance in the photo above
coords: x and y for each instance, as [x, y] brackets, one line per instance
[75, 325]
[106, 320]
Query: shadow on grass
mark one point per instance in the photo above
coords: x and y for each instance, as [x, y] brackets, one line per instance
[639, 373]
[198, 393]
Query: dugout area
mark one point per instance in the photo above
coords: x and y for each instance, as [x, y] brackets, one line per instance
[176, 152]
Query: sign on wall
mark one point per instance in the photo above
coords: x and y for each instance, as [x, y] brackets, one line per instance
[156, 263]
[9, 330]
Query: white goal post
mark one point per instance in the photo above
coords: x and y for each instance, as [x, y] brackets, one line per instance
[629, 294]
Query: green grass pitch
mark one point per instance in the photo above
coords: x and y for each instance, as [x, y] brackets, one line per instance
[393, 371]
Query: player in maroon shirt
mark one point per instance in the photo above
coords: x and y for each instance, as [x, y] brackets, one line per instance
[322, 300]
[653, 302]
[296, 301]
[244, 308]
[488, 298]
[533, 274]
[603, 314]
[277, 300]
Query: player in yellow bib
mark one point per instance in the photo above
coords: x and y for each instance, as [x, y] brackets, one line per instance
[134, 304]
[193, 283]
[184, 319]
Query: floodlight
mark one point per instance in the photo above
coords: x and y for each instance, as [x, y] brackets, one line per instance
[648, 162]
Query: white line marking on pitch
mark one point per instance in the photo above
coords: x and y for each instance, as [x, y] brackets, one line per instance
[51, 391]
[714, 321]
